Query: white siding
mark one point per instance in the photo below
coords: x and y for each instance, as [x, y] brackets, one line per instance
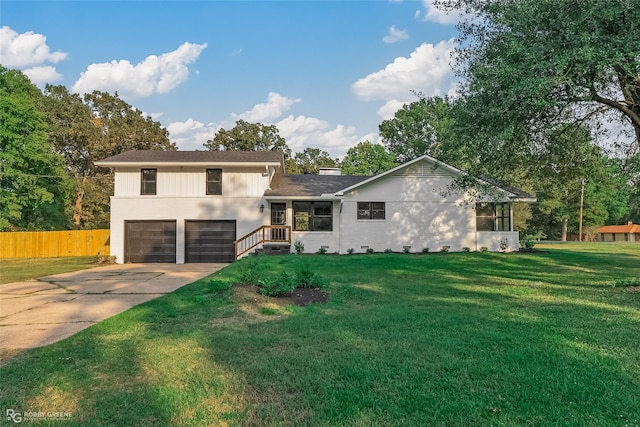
[245, 210]
[191, 182]
[314, 240]
[494, 240]
[418, 213]
[181, 195]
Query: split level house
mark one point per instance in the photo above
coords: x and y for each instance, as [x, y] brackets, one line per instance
[216, 206]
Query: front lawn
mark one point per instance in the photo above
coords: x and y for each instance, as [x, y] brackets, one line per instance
[21, 269]
[456, 339]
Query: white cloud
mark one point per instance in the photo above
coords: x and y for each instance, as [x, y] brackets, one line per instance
[390, 107]
[395, 35]
[26, 49]
[156, 74]
[41, 75]
[275, 107]
[303, 132]
[439, 16]
[191, 134]
[426, 70]
[300, 132]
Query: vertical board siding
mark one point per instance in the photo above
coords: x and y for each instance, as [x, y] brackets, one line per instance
[48, 244]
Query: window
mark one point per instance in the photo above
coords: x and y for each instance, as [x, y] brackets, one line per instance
[278, 213]
[493, 217]
[371, 210]
[312, 216]
[148, 182]
[214, 182]
[503, 218]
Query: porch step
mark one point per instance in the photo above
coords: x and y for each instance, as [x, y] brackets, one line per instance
[274, 249]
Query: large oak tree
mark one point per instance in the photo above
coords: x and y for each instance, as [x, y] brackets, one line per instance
[33, 184]
[529, 65]
[90, 128]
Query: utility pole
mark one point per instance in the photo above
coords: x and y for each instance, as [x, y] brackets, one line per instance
[581, 206]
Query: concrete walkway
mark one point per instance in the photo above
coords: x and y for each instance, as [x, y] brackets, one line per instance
[46, 310]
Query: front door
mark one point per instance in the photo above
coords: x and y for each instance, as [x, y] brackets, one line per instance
[278, 217]
[278, 213]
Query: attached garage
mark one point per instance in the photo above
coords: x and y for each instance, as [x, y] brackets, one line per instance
[210, 240]
[150, 241]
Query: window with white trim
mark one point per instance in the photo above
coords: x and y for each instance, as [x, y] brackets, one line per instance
[313, 216]
[148, 182]
[371, 210]
[493, 216]
[214, 182]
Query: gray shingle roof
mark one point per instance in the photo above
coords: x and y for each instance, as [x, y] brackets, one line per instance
[157, 156]
[309, 185]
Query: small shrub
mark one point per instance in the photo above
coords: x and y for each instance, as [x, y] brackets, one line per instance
[307, 278]
[275, 288]
[466, 249]
[350, 251]
[298, 246]
[388, 251]
[370, 250]
[200, 299]
[425, 250]
[527, 244]
[444, 249]
[322, 250]
[406, 249]
[484, 249]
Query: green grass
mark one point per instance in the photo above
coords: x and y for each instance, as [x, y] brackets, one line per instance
[454, 339]
[19, 269]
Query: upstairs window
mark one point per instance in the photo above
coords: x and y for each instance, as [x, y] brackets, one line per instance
[214, 182]
[493, 217]
[371, 210]
[148, 184]
[312, 216]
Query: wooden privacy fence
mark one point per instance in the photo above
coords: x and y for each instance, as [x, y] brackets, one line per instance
[45, 244]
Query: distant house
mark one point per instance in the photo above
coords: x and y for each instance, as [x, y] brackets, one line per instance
[214, 206]
[620, 233]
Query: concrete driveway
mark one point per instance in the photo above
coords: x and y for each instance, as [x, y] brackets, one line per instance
[46, 310]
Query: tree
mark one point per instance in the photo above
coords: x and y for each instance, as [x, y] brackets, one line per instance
[568, 158]
[90, 128]
[245, 136]
[311, 160]
[419, 128]
[33, 185]
[367, 159]
[531, 65]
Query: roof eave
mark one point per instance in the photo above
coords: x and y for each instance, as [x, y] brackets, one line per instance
[309, 197]
[160, 163]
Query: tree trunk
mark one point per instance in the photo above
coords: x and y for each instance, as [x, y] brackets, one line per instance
[565, 226]
[77, 208]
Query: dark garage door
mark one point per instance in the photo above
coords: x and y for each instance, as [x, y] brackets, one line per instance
[150, 241]
[210, 241]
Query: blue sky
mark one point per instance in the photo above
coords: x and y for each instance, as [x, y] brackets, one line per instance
[326, 73]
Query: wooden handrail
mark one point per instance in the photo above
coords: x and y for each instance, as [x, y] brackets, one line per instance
[261, 235]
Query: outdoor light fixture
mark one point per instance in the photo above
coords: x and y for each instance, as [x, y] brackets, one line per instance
[262, 208]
